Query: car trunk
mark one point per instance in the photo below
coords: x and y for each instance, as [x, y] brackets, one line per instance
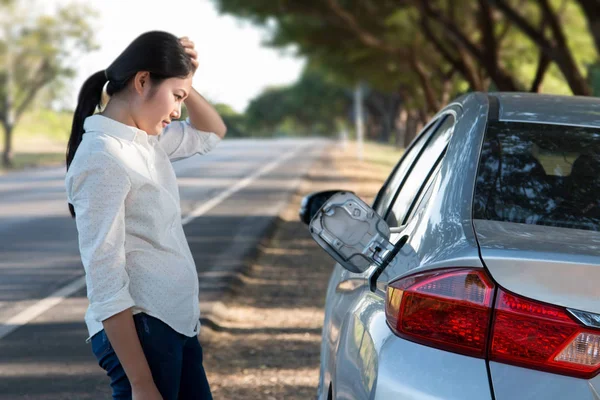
[560, 266]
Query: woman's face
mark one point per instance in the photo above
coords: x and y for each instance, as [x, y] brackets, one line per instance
[161, 103]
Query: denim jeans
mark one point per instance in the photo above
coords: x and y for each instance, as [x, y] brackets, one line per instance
[175, 361]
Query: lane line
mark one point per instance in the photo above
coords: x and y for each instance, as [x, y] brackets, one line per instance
[37, 309]
[209, 205]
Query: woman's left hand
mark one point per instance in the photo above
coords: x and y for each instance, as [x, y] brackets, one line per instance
[188, 45]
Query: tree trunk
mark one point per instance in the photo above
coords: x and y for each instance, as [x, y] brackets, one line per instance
[591, 9]
[412, 121]
[401, 128]
[428, 90]
[7, 156]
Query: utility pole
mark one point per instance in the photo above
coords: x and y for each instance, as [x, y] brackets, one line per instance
[358, 119]
[9, 117]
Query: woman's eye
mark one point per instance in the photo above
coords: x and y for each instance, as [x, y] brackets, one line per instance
[178, 97]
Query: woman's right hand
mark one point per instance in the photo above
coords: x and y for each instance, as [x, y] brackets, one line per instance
[146, 392]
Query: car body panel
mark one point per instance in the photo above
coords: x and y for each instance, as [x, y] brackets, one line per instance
[559, 266]
[404, 369]
[511, 382]
[551, 109]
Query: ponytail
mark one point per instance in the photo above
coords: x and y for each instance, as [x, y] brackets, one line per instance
[89, 98]
[159, 53]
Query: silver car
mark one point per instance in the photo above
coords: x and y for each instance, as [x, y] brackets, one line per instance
[475, 274]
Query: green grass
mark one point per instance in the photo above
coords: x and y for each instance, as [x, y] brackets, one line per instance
[39, 139]
[31, 160]
[49, 124]
[384, 155]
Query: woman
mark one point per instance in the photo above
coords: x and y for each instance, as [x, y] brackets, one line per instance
[142, 284]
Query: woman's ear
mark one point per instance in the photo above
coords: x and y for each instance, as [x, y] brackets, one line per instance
[141, 81]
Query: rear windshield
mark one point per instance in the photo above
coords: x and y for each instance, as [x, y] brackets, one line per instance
[539, 174]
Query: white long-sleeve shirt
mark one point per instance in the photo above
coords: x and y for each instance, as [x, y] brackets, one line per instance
[126, 199]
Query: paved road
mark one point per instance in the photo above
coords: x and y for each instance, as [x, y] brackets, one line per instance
[229, 200]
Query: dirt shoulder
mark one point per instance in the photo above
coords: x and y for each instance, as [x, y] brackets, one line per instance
[264, 337]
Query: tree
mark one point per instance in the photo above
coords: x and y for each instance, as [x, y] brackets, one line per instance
[427, 52]
[591, 10]
[35, 53]
[311, 105]
[236, 122]
[554, 46]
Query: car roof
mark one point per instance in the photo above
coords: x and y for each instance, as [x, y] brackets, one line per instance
[550, 109]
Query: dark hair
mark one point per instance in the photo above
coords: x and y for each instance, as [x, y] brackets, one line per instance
[159, 53]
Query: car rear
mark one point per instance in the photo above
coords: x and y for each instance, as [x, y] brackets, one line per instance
[532, 314]
[537, 220]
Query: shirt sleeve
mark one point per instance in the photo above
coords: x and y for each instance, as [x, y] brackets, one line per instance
[98, 193]
[181, 140]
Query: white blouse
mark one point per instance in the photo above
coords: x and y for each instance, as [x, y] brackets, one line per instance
[126, 199]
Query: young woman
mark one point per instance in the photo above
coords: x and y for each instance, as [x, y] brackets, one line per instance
[142, 284]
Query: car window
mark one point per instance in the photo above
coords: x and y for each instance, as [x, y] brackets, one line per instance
[539, 174]
[383, 201]
[417, 176]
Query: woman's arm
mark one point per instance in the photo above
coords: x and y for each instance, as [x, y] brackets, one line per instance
[203, 116]
[123, 337]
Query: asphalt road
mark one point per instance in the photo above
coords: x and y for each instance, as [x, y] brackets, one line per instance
[229, 199]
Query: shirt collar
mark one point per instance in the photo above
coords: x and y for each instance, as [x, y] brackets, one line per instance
[100, 123]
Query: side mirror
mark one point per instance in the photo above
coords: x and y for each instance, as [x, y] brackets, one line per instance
[352, 233]
[312, 203]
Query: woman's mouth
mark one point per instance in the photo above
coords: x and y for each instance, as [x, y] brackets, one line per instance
[165, 123]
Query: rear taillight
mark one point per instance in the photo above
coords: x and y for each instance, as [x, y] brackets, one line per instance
[541, 336]
[447, 309]
[451, 309]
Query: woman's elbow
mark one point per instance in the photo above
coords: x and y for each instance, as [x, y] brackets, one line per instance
[221, 131]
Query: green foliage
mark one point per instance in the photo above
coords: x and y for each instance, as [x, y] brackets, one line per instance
[37, 53]
[468, 45]
[310, 106]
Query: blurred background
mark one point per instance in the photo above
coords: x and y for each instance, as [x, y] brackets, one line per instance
[296, 68]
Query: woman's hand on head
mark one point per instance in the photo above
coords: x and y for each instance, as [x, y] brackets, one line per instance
[188, 45]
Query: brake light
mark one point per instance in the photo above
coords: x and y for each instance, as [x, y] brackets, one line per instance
[450, 309]
[447, 309]
[536, 335]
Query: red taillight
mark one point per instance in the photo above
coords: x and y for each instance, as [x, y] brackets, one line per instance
[451, 309]
[448, 309]
[541, 336]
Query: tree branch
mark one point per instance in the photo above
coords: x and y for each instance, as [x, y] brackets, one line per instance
[557, 51]
[458, 63]
[364, 36]
[34, 87]
[453, 30]
[430, 98]
[543, 65]
[501, 77]
[486, 23]
[537, 37]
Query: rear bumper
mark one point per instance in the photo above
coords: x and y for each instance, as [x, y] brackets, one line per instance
[411, 371]
[511, 382]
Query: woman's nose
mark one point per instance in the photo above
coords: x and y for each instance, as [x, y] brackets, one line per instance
[176, 112]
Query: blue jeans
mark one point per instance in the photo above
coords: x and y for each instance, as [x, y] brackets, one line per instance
[175, 361]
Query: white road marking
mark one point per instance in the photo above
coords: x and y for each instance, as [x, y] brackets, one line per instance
[37, 309]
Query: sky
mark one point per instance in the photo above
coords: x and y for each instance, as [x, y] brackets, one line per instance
[234, 65]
